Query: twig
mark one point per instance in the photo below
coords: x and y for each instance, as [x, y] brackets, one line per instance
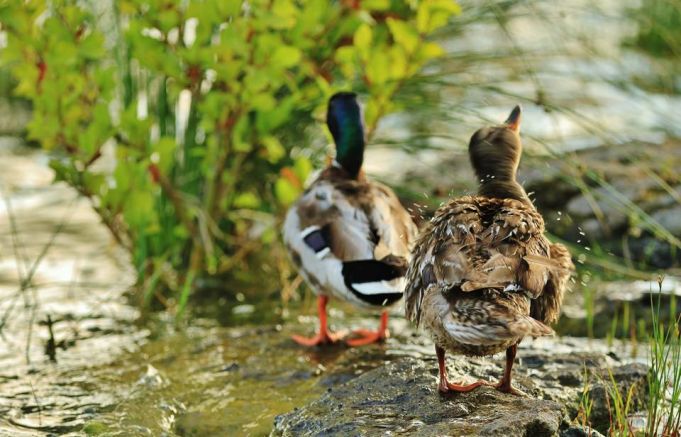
[25, 282]
[37, 402]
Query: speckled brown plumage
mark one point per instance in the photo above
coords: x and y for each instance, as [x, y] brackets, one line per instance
[482, 274]
[489, 261]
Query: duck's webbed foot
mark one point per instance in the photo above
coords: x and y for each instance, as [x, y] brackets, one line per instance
[367, 336]
[444, 385]
[324, 336]
[504, 384]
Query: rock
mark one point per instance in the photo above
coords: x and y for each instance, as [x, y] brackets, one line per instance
[652, 251]
[670, 219]
[582, 208]
[580, 431]
[402, 397]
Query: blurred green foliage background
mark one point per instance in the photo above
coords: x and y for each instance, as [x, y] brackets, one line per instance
[192, 125]
[186, 122]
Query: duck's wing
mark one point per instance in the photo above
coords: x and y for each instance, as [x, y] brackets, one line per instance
[546, 307]
[332, 237]
[478, 243]
[443, 252]
[515, 242]
[393, 226]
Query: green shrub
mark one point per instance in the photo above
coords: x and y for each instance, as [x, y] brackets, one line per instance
[658, 27]
[200, 110]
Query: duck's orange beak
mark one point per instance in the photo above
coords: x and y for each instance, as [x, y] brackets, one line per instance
[513, 120]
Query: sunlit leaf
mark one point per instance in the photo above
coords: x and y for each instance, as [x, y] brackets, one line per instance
[286, 56]
[285, 191]
[404, 34]
[302, 168]
[246, 200]
[275, 150]
[362, 40]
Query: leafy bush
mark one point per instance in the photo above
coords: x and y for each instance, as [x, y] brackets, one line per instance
[185, 122]
[659, 22]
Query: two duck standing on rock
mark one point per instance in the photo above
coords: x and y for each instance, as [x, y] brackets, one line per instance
[479, 278]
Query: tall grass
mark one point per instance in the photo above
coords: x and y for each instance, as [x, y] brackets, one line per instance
[663, 407]
[619, 407]
[664, 378]
[585, 403]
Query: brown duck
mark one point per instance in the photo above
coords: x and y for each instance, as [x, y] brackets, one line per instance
[482, 274]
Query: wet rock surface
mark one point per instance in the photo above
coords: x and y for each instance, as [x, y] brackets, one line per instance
[401, 397]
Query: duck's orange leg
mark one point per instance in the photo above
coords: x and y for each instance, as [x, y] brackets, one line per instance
[367, 336]
[324, 336]
[445, 386]
[505, 384]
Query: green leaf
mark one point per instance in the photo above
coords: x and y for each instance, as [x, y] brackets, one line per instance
[431, 50]
[246, 200]
[302, 167]
[230, 8]
[263, 102]
[362, 40]
[378, 67]
[433, 14]
[92, 46]
[286, 57]
[239, 133]
[346, 58]
[404, 34]
[267, 121]
[376, 5]
[164, 154]
[275, 151]
[285, 12]
[398, 63]
[139, 209]
[285, 191]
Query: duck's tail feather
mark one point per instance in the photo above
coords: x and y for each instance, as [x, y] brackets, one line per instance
[377, 282]
[484, 323]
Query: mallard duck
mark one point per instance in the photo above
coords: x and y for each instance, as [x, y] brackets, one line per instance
[349, 236]
[482, 274]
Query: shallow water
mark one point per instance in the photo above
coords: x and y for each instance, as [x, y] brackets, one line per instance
[115, 376]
